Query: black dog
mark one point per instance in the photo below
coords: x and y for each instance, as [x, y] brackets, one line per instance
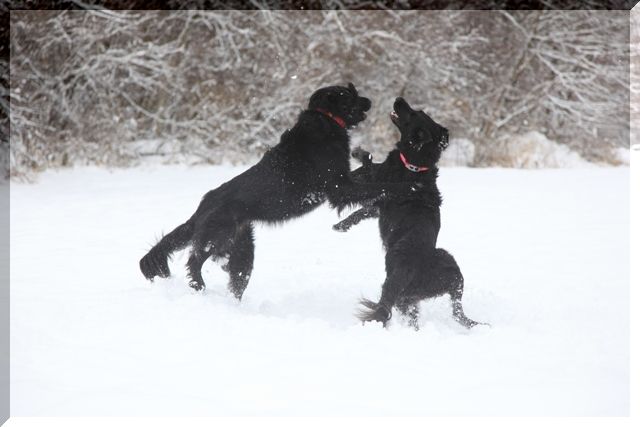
[309, 165]
[409, 227]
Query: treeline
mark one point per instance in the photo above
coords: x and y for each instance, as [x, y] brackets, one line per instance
[113, 87]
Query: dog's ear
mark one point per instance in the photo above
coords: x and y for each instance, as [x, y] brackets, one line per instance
[352, 88]
[314, 99]
[444, 140]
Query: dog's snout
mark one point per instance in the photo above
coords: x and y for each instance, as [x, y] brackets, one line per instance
[365, 104]
[400, 104]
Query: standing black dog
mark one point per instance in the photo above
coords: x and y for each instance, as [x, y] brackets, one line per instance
[409, 227]
[307, 167]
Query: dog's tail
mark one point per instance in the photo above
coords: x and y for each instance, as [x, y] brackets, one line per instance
[373, 311]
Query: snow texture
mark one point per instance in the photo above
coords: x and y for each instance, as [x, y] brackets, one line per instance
[545, 254]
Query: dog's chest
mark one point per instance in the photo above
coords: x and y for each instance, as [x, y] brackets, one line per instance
[416, 218]
[403, 223]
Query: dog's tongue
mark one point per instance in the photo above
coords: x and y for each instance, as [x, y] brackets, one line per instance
[394, 115]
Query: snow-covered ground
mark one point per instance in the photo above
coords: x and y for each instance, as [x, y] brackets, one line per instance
[545, 254]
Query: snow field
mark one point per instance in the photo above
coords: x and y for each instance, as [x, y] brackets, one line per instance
[545, 254]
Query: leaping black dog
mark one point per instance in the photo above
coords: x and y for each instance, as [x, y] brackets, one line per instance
[409, 227]
[309, 165]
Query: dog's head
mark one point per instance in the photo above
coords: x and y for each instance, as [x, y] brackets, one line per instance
[421, 139]
[342, 102]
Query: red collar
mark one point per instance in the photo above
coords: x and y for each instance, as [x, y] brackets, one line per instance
[412, 168]
[336, 119]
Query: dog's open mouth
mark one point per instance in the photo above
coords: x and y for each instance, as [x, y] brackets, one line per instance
[394, 116]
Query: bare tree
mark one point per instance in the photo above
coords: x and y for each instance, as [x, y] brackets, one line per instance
[113, 87]
[565, 76]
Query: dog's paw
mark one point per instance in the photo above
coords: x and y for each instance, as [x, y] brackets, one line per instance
[342, 227]
[196, 286]
[468, 323]
[154, 264]
[482, 324]
[363, 156]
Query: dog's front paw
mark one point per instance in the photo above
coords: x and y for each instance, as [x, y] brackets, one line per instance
[342, 226]
[363, 156]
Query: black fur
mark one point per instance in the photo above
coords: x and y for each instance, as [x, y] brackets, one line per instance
[309, 165]
[409, 227]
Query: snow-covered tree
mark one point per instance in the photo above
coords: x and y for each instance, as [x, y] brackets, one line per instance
[111, 87]
[567, 78]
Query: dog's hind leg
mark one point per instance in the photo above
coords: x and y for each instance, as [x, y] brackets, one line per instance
[410, 310]
[446, 278]
[194, 267]
[458, 312]
[214, 236]
[155, 262]
[456, 302]
[240, 262]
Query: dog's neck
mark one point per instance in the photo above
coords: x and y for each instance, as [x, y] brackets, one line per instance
[339, 120]
[411, 167]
